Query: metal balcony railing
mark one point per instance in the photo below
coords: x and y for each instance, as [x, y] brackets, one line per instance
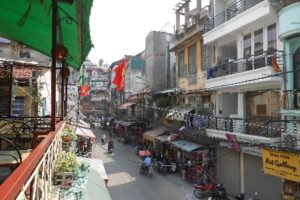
[229, 13]
[33, 177]
[226, 66]
[265, 128]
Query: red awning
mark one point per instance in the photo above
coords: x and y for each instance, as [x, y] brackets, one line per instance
[126, 105]
[87, 133]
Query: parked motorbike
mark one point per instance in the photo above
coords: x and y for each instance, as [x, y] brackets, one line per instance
[144, 169]
[201, 190]
[110, 147]
[164, 166]
[241, 196]
[219, 193]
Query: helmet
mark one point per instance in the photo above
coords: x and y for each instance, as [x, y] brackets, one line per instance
[240, 196]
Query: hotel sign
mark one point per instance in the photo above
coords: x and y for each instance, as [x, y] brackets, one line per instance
[281, 164]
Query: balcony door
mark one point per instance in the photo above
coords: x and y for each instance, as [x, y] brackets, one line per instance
[296, 62]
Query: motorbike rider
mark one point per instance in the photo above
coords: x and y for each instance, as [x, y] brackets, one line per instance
[148, 161]
[110, 145]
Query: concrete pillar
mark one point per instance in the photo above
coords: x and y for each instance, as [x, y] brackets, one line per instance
[199, 4]
[242, 179]
[241, 105]
[186, 10]
[177, 20]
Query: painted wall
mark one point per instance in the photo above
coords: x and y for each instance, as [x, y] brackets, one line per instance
[183, 82]
[289, 20]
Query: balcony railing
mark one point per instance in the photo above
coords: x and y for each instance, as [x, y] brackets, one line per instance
[226, 66]
[265, 128]
[232, 11]
[33, 178]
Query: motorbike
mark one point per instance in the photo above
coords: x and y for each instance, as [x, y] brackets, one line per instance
[241, 196]
[164, 166]
[219, 193]
[202, 190]
[144, 169]
[110, 148]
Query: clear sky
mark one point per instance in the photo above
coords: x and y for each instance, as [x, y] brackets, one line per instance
[119, 27]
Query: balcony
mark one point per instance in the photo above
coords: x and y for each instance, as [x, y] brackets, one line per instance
[33, 176]
[193, 25]
[243, 71]
[238, 17]
[246, 130]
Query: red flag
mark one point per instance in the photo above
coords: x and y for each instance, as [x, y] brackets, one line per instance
[84, 90]
[119, 75]
[275, 66]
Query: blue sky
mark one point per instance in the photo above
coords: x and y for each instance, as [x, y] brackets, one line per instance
[120, 27]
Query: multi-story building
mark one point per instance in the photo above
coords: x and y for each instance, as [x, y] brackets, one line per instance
[135, 75]
[246, 55]
[188, 48]
[289, 33]
[94, 105]
[158, 60]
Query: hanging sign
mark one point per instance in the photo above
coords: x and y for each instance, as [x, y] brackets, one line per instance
[281, 164]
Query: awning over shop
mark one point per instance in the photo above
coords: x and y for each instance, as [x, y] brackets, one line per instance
[178, 114]
[150, 135]
[87, 133]
[126, 105]
[30, 22]
[186, 145]
[162, 138]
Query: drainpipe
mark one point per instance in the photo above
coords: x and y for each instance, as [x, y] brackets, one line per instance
[199, 4]
[10, 90]
[53, 65]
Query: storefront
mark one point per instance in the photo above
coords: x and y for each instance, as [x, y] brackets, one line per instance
[228, 169]
[149, 136]
[286, 166]
[194, 160]
[240, 170]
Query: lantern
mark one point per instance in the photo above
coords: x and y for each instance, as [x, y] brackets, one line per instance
[61, 52]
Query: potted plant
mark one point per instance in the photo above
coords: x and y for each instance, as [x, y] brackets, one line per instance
[69, 135]
[65, 167]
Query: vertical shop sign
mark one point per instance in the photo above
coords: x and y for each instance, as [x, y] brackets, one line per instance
[281, 164]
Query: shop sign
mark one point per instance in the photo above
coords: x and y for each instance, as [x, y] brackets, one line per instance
[281, 164]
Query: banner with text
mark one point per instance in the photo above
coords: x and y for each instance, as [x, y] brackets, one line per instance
[281, 164]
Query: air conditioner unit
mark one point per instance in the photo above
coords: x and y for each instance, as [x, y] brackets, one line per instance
[289, 140]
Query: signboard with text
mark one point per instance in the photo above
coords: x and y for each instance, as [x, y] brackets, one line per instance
[281, 164]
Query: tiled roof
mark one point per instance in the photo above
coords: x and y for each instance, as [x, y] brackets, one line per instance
[22, 73]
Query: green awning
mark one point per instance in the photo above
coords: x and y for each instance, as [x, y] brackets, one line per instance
[30, 22]
[186, 145]
[95, 187]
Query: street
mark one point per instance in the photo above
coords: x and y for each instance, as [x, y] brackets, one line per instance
[125, 182]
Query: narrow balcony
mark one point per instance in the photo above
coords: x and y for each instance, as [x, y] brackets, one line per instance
[238, 17]
[256, 68]
[246, 130]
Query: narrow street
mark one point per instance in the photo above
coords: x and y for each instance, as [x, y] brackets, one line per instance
[126, 183]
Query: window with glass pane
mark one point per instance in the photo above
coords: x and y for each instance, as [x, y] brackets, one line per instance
[272, 41]
[18, 106]
[181, 64]
[247, 50]
[258, 49]
[192, 59]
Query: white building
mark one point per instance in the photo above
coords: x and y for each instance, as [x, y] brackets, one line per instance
[242, 39]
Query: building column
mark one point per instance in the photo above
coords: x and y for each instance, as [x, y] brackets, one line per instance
[242, 177]
[241, 105]
[186, 11]
[199, 4]
[177, 20]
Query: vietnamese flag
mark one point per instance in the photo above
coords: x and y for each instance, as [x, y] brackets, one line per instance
[84, 90]
[119, 75]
